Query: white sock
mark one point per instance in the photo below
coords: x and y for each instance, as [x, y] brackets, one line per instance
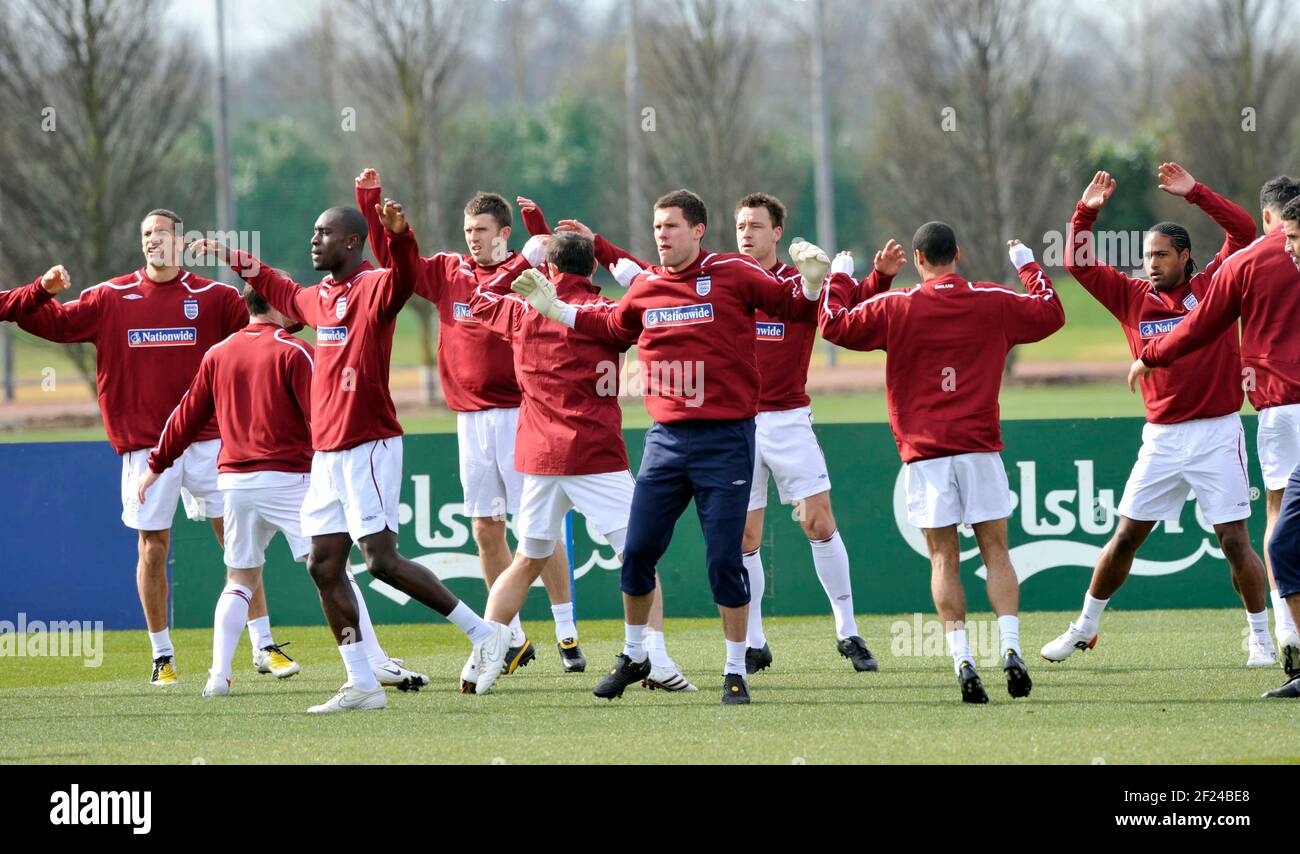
[474, 626]
[357, 663]
[735, 657]
[1009, 630]
[634, 642]
[565, 628]
[368, 637]
[228, 624]
[1282, 621]
[1090, 616]
[654, 645]
[259, 632]
[958, 648]
[754, 635]
[517, 636]
[831, 560]
[1259, 628]
[162, 643]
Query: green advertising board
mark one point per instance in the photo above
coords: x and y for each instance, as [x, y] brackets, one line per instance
[1066, 479]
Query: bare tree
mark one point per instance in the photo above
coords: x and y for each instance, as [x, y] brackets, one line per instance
[407, 75]
[1234, 106]
[92, 137]
[703, 71]
[976, 103]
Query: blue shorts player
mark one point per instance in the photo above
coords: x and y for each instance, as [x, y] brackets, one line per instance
[692, 319]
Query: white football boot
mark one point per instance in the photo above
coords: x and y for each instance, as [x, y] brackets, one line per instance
[1261, 654]
[1065, 645]
[667, 678]
[391, 673]
[217, 686]
[350, 699]
[489, 657]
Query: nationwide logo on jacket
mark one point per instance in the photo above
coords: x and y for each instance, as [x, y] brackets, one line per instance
[177, 336]
[680, 315]
[462, 314]
[1156, 328]
[769, 331]
[331, 336]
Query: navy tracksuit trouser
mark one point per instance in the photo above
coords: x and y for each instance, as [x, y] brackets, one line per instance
[1284, 547]
[712, 462]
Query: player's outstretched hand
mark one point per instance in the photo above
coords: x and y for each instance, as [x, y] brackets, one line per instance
[392, 216]
[540, 293]
[368, 179]
[1098, 191]
[1138, 370]
[575, 225]
[525, 204]
[150, 477]
[890, 260]
[1175, 180]
[812, 263]
[56, 280]
[205, 247]
[843, 263]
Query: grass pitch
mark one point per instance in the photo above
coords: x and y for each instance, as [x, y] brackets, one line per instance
[1161, 687]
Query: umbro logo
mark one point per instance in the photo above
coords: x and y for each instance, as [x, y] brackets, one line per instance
[132, 296]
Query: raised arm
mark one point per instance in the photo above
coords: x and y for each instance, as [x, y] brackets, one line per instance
[1218, 309]
[854, 325]
[783, 299]
[1108, 286]
[1237, 224]
[531, 213]
[405, 255]
[433, 273]
[20, 302]
[615, 322]
[884, 267]
[284, 294]
[495, 305]
[1037, 313]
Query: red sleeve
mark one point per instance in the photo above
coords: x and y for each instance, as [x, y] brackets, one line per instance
[848, 323]
[785, 300]
[1034, 315]
[495, 307]
[65, 323]
[405, 254]
[534, 221]
[1218, 309]
[366, 201]
[875, 282]
[607, 253]
[1236, 223]
[1108, 286]
[187, 421]
[615, 322]
[22, 301]
[284, 294]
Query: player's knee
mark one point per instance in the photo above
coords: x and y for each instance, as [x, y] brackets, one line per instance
[489, 532]
[820, 526]
[1235, 543]
[1126, 540]
[382, 566]
[324, 571]
[751, 541]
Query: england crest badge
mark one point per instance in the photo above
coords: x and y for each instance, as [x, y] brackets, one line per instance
[703, 285]
[191, 307]
[1189, 302]
[341, 307]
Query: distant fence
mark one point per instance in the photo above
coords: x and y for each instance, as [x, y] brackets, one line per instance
[69, 557]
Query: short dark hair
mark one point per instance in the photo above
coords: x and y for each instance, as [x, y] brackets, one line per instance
[1292, 210]
[1181, 240]
[692, 206]
[571, 252]
[255, 302]
[937, 242]
[1276, 192]
[351, 219]
[171, 215]
[490, 203]
[764, 200]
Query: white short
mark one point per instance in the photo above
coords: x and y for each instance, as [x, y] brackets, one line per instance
[1207, 455]
[964, 489]
[354, 492]
[605, 499]
[786, 446]
[192, 479]
[254, 515]
[487, 462]
[1277, 441]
